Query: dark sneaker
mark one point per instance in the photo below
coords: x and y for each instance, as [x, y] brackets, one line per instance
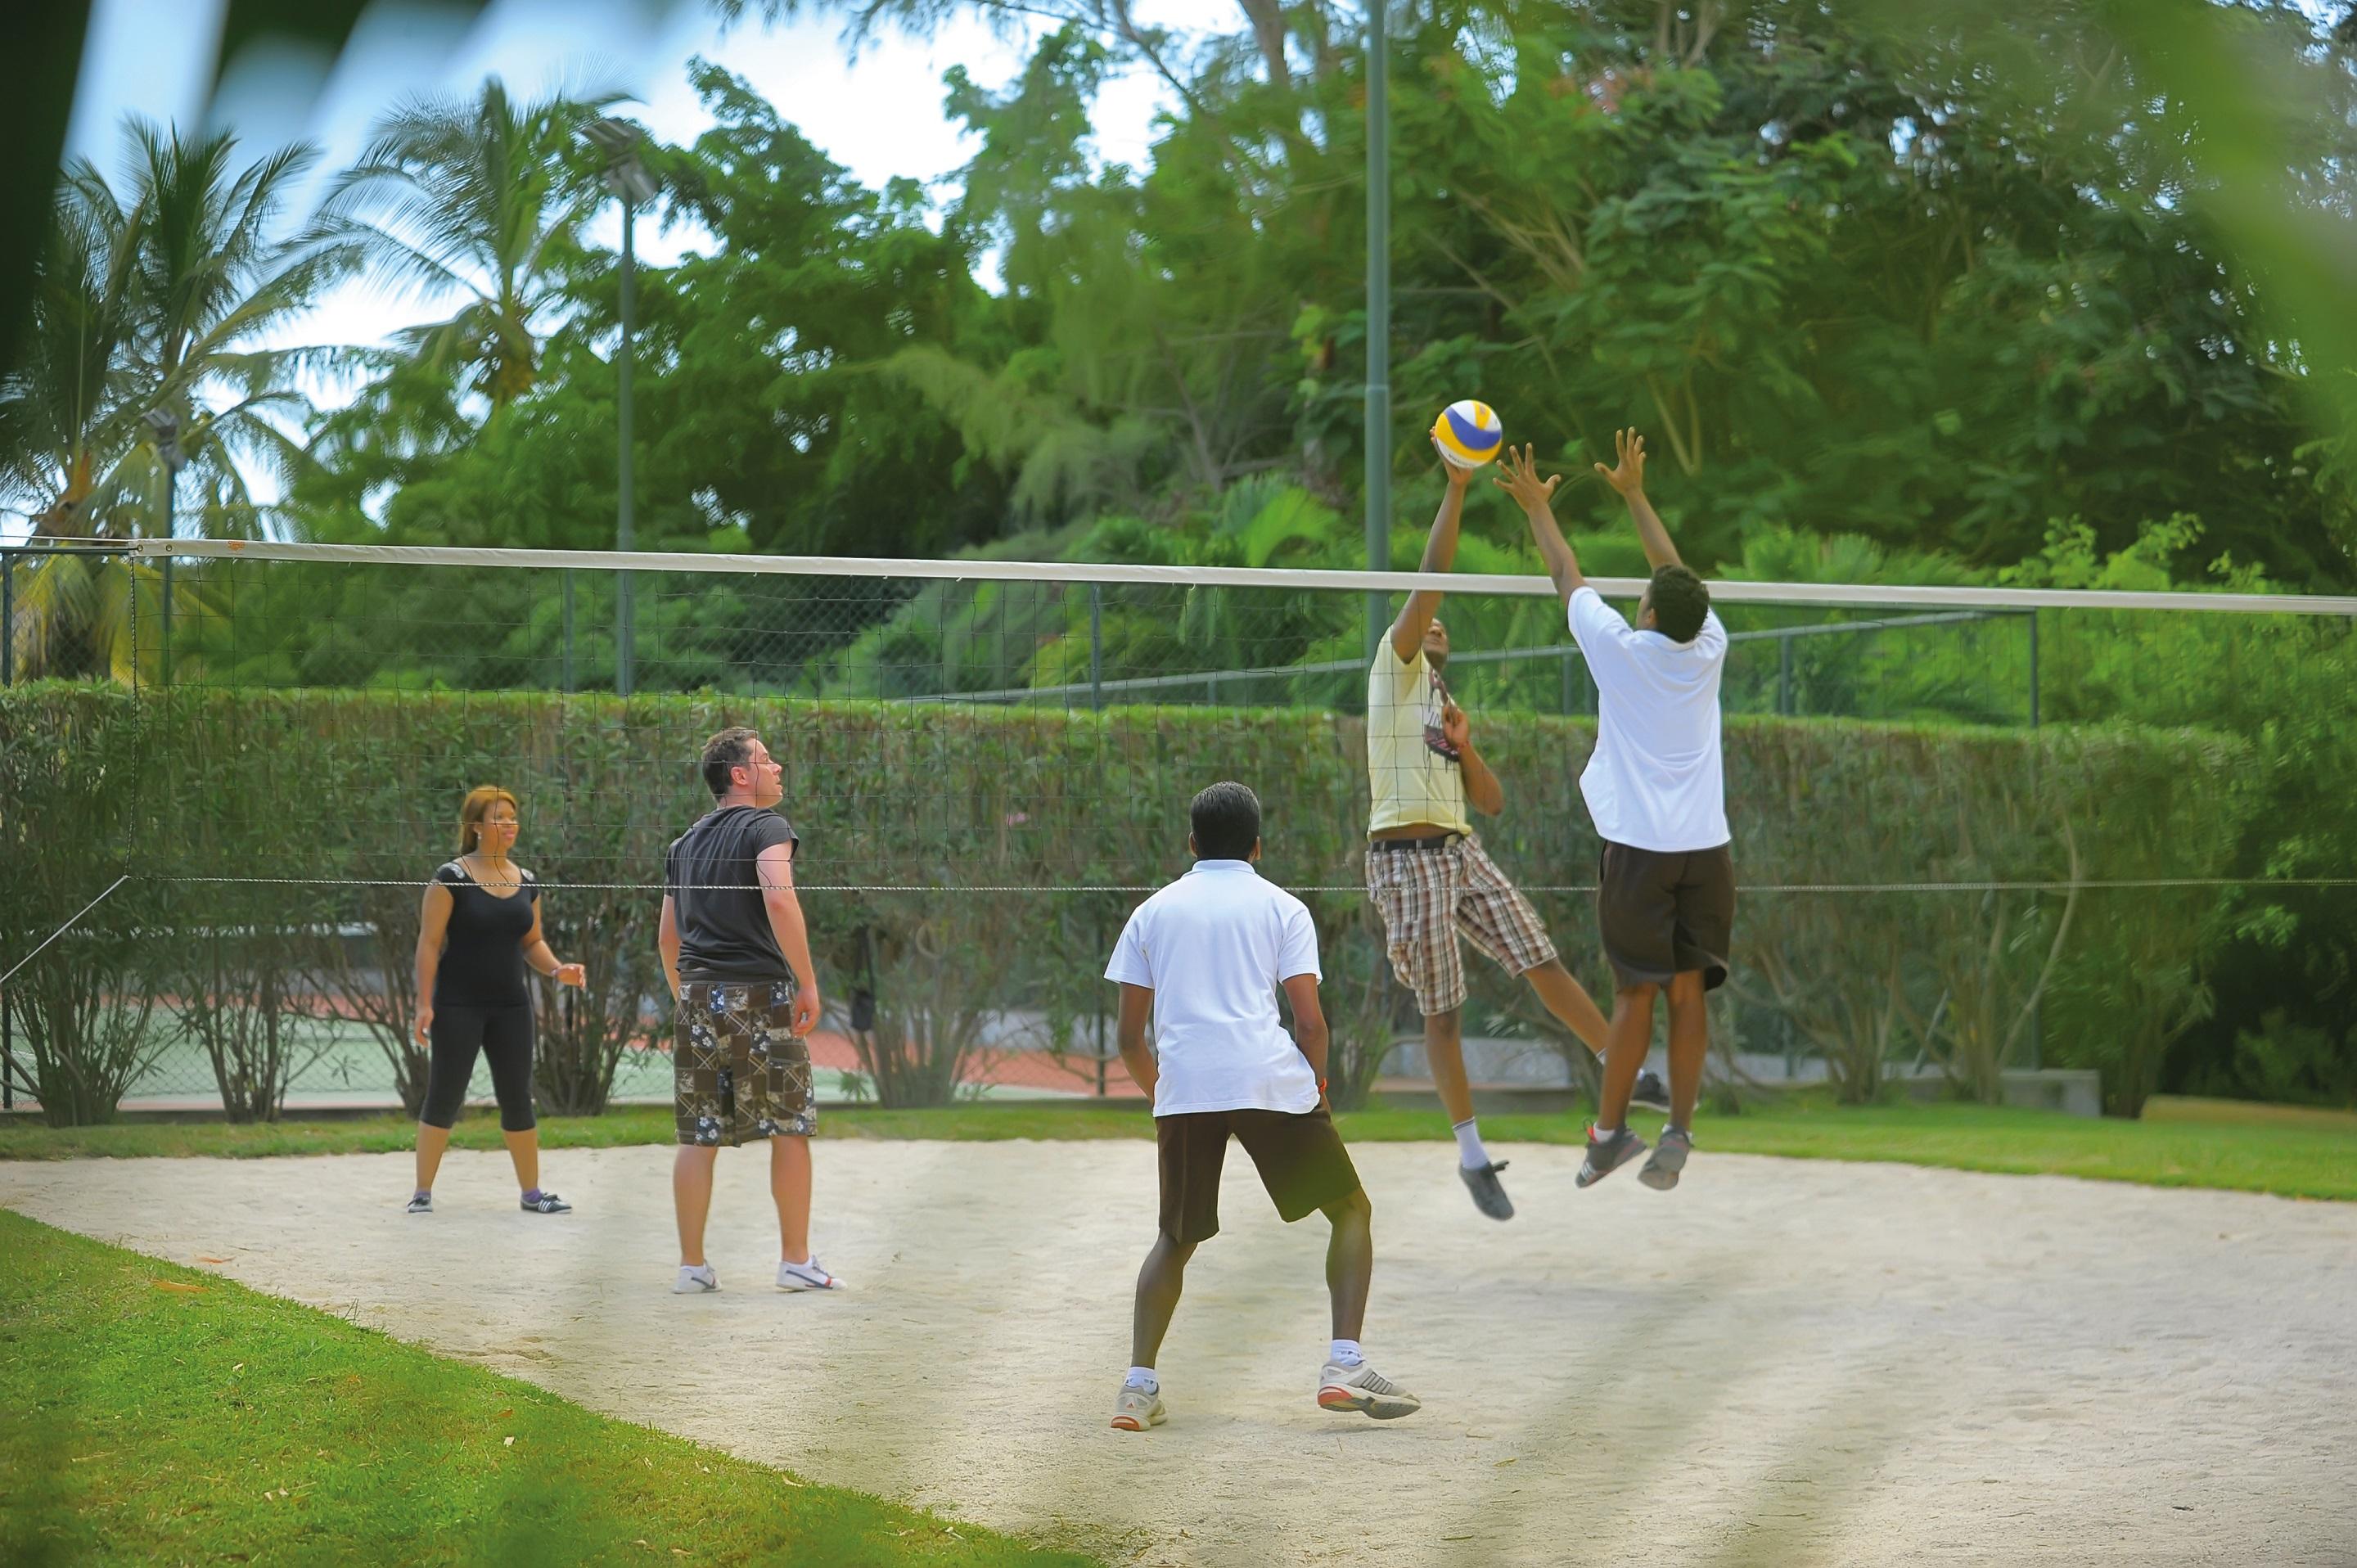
[420, 1203]
[546, 1203]
[1661, 1172]
[1489, 1194]
[1651, 1091]
[1608, 1154]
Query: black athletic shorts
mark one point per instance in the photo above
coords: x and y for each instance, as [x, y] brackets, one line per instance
[1301, 1160]
[1665, 914]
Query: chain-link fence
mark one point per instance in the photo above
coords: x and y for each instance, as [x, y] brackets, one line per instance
[986, 767]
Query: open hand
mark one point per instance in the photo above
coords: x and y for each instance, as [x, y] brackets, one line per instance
[1627, 475]
[1518, 475]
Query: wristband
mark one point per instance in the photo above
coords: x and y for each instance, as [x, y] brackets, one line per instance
[1321, 1089]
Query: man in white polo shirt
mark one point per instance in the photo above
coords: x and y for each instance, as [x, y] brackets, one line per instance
[1205, 957]
[1665, 882]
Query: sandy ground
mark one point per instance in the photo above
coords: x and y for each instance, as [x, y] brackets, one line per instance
[1780, 1362]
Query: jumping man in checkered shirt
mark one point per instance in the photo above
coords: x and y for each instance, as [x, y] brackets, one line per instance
[1426, 869]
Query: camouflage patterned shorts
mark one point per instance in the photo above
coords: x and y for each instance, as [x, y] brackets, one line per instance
[737, 1071]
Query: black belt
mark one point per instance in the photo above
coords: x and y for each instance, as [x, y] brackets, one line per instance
[1435, 841]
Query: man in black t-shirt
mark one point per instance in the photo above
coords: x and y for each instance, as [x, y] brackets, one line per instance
[736, 954]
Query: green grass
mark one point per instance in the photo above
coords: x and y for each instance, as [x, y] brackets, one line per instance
[151, 1414]
[2291, 1150]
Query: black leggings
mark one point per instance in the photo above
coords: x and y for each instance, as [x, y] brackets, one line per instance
[504, 1035]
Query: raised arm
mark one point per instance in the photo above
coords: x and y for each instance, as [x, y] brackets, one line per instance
[1439, 555]
[1628, 476]
[1519, 477]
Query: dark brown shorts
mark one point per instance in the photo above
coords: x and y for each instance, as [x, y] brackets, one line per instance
[738, 1070]
[1665, 914]
[1301, 1160]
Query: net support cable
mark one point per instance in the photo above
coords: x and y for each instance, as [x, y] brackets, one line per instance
[1080, 574]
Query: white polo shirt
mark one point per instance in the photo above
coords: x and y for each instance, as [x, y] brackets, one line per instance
[1655, 780]
[1214, 946]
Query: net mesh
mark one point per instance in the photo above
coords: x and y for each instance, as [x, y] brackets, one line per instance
[1947, 839]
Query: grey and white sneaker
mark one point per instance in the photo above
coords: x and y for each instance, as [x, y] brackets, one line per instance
[1651, 1092]
[1489, 1193]
[812, 1275]
[1605, 1156]
[1661, 1172]
[546, 1203]
[420, 1203]
[1138, 1409]
[1361, 1388]
[695, 1281]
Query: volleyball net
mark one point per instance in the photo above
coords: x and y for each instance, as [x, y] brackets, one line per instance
[1977, 829]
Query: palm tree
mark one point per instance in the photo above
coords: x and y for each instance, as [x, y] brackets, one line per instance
[159, 306]
[479, 199]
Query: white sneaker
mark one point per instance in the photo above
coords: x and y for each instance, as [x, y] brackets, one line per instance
[806, 1276]
[694, 1280]
[1138, 1409]
[1361, 1388]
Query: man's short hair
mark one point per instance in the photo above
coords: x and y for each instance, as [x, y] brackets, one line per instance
[1226, 821]
[1680, 601]
[731, 748]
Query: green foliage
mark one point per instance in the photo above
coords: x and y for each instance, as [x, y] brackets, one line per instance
[935, 802]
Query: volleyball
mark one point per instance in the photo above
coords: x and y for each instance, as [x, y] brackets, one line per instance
[1468, 432]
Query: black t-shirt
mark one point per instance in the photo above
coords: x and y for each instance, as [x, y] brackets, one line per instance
[713, 874]
[482, 947]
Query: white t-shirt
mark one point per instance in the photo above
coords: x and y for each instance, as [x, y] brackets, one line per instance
[1214, 946]
[1654, 781]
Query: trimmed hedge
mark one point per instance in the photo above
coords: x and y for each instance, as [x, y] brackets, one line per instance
[338, 790]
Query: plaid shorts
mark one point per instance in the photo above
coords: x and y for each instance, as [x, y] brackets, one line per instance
[1428, 895]
[738, 1071]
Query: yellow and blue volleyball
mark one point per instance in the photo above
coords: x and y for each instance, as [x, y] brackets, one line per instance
[1469, 433]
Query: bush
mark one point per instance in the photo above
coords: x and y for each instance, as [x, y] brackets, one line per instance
[363, 787]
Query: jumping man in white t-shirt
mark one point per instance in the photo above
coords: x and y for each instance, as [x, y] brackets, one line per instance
[1665, 893]
[1206, 957]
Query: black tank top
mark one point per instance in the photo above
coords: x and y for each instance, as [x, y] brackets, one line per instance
[482, 947]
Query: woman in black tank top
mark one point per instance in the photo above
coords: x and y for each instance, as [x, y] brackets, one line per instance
[480, 927]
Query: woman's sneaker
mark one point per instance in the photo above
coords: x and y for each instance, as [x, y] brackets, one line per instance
[420, 1203]
[1361, 1388]
[1605, 1156]
[1138, 1409]
[806, 1276]
[1661, 1172]
[696, 1279]
[546, 1203]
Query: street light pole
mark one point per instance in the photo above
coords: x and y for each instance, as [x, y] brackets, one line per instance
[628, 176]
[624, 650]
[1379, 314]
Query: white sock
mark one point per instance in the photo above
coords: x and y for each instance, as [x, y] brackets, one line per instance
[1604, 1134]
[1143, 1378]
[1345, 1353]
[701, 1270]
[1470, 1151]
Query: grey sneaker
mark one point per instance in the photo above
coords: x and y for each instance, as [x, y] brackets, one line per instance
[1651, 1092]
[1608, 1155]
[1138, 1409]
[420, 1203]
[1661, 1172]
[696, 1279]
[1489, 1194]
[1361, 1388]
